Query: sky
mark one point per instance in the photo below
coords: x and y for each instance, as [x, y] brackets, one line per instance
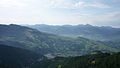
[60, 12]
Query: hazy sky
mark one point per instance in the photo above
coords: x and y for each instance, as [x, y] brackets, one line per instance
[60, 12]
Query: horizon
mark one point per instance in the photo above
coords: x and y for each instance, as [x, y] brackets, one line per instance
[58, 25]
[60, 12]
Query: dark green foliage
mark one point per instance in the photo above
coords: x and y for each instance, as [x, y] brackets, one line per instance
[103, 60]
[12, 57]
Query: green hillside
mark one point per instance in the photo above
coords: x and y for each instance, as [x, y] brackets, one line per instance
[12, 57]
[48, 43]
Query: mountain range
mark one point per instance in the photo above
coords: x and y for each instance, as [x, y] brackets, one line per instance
[28, 47]
[103, 33]
[40, 42]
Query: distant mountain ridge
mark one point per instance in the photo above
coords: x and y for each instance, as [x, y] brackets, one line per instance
[103, 33]
[44, 43]
[24, 47]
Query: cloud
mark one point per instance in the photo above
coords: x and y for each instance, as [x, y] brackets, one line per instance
[107, 19]
[72, 12]
[52, 4]
[77, 4]
[19, 20]
[12, 3]
[94, 5]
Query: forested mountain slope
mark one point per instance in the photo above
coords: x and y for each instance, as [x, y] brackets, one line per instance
[40, 42]
[98, 60]
[12, 57]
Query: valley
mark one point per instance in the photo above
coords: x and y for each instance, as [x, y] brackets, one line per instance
[32, 48]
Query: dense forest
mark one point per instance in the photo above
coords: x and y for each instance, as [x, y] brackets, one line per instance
[94, 60]
[12, 57]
